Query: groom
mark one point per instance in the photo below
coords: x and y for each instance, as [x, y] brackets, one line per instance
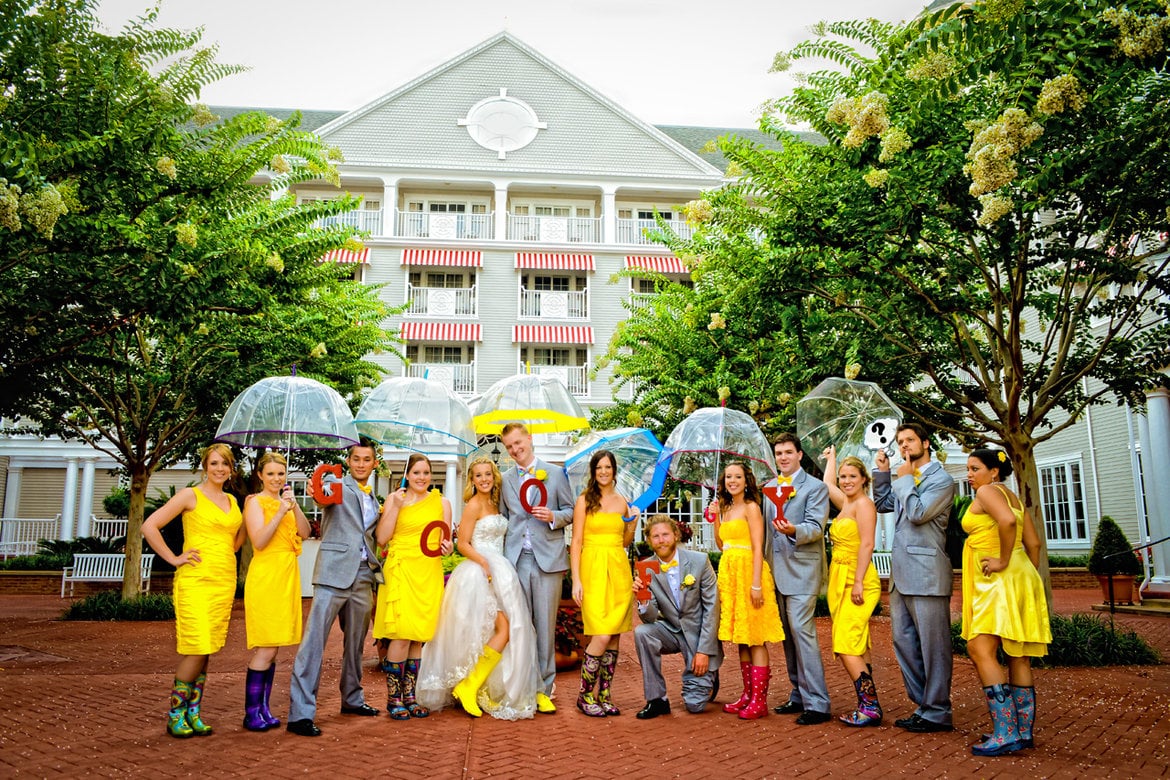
[535, 544]
[681, 616]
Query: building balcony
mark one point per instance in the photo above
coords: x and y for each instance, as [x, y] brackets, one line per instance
[459, 377]
[366, 220]
[553, 305]
[575, 378]
[442, 225]
[442, 301]
[554, 230]
[633, 231]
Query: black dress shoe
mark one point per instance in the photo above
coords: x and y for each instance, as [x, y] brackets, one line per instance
[788, 708]
[812, 718]
[304, 727]
[715, 687]
[653, 709]
[904, 723]
[364, 709]
[921, 725]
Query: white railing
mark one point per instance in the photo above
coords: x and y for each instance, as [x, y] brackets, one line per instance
[554, 230]
[554, 305]
[444, 225]
[19, 535]
[460, 377]
[107, 527]
[576, 378]
[633, 231]
[442, 301]
[369, 220]
[639, 300]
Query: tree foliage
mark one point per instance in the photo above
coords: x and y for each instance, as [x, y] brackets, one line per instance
[176, 270]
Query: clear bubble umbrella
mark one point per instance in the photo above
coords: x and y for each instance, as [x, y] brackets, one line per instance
[417, 414]
[701, 445]
[636, 451]
[540, 401]
[855, 417]
[288, 413]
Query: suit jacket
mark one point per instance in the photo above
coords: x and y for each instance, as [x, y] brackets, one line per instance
[698, 617]
[343, 534]
[919, 565]
[798, 561]
[548, 543]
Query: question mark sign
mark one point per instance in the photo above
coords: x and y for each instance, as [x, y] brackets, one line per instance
[879, 428]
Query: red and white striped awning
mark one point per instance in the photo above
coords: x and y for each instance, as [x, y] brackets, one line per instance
[663, 265]
[346, 257]
[441, 331]
[465, 258]
[552, 334]
[550, 261]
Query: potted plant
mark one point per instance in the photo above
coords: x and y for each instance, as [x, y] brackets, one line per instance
[1114, 563]
[569, 630]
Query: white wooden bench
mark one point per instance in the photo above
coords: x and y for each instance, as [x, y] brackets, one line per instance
[881, 562]
[102, 567]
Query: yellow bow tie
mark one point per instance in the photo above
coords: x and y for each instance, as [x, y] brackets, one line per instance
[367, 489]
[783, 480]
[665, 567]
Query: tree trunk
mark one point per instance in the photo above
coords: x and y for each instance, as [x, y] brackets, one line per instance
[1020, 448]
[131, 581]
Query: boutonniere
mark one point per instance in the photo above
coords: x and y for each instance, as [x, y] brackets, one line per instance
[688, 581]
[540, 474]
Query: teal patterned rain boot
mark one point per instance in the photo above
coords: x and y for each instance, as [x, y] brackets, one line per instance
[177, 725]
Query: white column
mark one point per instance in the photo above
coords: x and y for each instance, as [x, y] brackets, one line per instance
[12, 491]
[85, 501]
[609, 215]
[389, 207]
[69, 500]
[454, 490]
[1155, 453]
[500, 205]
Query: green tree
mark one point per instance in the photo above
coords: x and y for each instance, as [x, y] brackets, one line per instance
[176, 271]
[986, 210]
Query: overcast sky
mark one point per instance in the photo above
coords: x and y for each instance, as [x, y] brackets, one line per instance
[688, 62]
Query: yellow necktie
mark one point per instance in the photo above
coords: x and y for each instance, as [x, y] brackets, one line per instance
[665, 567]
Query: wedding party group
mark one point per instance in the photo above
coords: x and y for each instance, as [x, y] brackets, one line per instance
[484, 639]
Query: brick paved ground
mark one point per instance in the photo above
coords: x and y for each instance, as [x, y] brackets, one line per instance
[88, 698]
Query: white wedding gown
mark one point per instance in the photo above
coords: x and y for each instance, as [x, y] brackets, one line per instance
[467, 621]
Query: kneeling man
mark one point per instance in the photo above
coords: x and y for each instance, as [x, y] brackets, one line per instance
[681, 616]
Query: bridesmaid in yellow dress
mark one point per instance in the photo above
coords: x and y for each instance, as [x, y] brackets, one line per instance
[409, 601]
[272, 593]
[1003, 602]
[748, 614]
[854, 586]
[205, 580]
[603, 527]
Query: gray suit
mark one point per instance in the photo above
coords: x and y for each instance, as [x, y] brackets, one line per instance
[920, 584]
[690, 627]
[537, 550]
[798, 565]
[342, 587]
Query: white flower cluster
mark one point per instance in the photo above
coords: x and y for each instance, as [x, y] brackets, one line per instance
[42, 208]
[866, 116]
[991, 162]
[1139, 37]
[1062, 93]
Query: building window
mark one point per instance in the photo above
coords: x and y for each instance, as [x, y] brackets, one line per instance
[1062, 498]
[551, 283]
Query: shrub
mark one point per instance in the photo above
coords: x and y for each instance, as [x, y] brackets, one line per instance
[40, 562]
[109, 605]
[82, 544]
[1083, 640]
[1111, 551]
[1068, 561]
[117, 503]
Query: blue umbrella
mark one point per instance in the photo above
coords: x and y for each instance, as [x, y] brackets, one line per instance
[636, 451]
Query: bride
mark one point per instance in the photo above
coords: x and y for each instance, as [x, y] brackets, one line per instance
[483, 654]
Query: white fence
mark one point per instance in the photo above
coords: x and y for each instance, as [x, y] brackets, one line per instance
[442, 301]
[19, 535]
[554, 304]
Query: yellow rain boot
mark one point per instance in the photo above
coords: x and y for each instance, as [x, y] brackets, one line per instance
[467, 688]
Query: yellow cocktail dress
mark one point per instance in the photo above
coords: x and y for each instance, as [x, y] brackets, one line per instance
[850, 621]
[204, 592]
[739, 621]
[272, 593]
[408, 603]
[1009, 604]
[606, 580]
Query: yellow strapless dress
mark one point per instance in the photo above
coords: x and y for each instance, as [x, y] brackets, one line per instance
[204, 593]
[606, 580]
[408, 602]
[850, 621]
[1009, 604]
[272, 592]
[739, 621]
